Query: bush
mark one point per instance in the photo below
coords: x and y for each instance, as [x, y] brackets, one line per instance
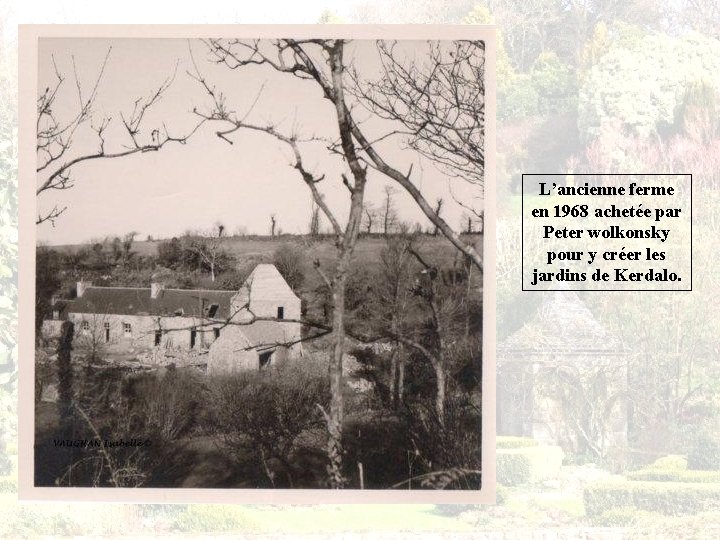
[506, 442]
[512, 468]
[528, 464]
[705, 453]
[626, 516]
[669, 498]
[669, 463]
[261, 416]
[288, 259]
[8, 484]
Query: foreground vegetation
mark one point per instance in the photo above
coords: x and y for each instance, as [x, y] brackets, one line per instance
[412, 397]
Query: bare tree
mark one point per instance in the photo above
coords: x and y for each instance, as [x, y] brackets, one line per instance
[59, 153]
[220, 228]
[323, 62]
[314, 228]
[440, 103]
[273, 224]
[438, 209]
[388, 211]
[454, 87]
[394, 297]
[208, 248]
[369, 216]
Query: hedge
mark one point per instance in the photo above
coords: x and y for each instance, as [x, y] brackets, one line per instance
[669, 498]
[672, 462]
[675, 475]
[530, 464]
[625, 516]
[507, 442]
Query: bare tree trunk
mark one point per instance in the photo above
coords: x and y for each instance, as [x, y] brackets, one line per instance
[393, 376]
[441, 377]
[349, 239]
[64, 367]
[438, 208]
[335, 419]
[401, 378]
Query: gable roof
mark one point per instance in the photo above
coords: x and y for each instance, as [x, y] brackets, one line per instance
[137, 301]
[266, 282]
[562, 325]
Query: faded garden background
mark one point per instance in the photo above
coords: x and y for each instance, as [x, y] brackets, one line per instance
[611, 401]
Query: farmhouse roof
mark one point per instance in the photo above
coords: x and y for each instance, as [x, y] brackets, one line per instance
[266, 282]
[138, 301]
[562, 325]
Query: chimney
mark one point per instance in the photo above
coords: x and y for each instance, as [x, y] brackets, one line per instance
[82, 286]
[155, 289]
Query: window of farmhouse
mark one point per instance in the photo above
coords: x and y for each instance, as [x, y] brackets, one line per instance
[281, 312]
[127, 328]
[85, 325]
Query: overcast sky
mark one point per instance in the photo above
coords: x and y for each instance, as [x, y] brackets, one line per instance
[192, 186]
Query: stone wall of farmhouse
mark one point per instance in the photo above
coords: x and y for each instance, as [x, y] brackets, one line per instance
[111, 332]
[228, 354]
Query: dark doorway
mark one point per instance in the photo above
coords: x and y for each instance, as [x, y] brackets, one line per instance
[107, 332]
[281, 312]
[265, 358]
[193, 336]
[158, 336]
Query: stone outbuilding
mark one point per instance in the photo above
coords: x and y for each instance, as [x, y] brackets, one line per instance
[562, 380]
[227, 330]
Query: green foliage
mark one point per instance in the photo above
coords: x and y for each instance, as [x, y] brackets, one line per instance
[554, 83]
[505, 442]
[626, 516]
[674, 475]
[672, 462]
[669, 498]
[512, 467]
[211, 518]
[705, 452]
[8, 484]
[641, 81]
[454, 510]
[524, 464]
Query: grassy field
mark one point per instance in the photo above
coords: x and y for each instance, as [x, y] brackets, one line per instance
[257, 247]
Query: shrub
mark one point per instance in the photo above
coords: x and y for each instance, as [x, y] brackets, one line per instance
[665, 497]
[505, 442]
[8, 484]
[288, 259]
[528, 464]
[705, 453]
[626, 516]
[261, 416]
[512, 468]
[672, 462]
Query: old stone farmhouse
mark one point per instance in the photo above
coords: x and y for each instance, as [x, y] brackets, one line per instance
[230, 330]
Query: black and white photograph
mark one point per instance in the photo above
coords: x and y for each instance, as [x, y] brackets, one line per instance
[260, 262]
